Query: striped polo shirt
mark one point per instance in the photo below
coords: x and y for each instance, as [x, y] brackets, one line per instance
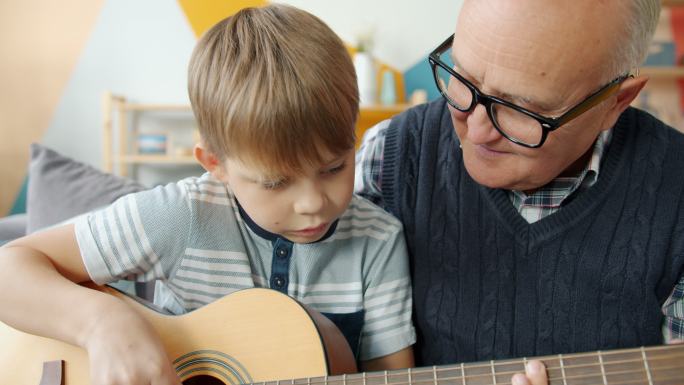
[192, 238]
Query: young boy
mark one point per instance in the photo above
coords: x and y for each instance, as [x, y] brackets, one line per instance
[275, 96]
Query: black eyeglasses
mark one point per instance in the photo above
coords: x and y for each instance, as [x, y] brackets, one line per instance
[515, 123]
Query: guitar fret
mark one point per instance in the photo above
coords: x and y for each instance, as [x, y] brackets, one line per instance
[648, 370]
[562, 367]
[603, 368]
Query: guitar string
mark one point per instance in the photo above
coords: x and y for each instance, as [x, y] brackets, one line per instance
[566, 359]
[489, 375]
[674, 348]
[548, 368]
[551, 380]
[350, 379]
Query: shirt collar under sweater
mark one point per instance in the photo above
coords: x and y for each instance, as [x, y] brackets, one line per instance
[549, 198]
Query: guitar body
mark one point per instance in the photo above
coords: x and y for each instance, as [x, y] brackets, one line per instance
[260, 335]
[252, 335]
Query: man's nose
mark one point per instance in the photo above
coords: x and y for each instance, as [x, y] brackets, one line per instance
[480, 129]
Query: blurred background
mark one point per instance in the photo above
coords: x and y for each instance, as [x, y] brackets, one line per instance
[59, 59]
[104, 81]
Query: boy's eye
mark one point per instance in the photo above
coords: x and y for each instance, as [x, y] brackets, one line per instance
[273, 184]
[335, 169]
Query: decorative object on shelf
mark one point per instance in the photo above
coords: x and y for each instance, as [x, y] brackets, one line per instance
[152, 143]
[366, 70]
[418, 96]
[365, 76]
[662, 94]
[388, 93]
[182, 151]
[661, 53]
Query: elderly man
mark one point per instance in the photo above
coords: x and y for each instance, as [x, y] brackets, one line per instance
[542, 213]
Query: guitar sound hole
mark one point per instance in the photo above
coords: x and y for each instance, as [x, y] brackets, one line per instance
[203, 380]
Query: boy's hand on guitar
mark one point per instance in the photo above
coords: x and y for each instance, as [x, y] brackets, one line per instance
[535, 374]
[124, 349]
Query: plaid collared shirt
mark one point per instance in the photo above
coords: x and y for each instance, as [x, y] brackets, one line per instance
[541, 203]
[548, 199]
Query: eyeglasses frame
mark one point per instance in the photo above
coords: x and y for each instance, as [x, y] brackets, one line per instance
[548, 124]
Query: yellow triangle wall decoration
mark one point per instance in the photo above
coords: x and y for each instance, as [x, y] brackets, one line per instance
[203, 14]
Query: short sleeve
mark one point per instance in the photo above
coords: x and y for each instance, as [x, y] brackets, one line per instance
[387, 299]
[140, 236]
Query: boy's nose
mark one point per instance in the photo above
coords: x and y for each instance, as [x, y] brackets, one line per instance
[310, 201]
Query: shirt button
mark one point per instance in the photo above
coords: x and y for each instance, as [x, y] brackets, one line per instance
[279, 281]
[282, 253]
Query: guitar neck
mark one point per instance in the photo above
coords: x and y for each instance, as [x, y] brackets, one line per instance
[661, 365]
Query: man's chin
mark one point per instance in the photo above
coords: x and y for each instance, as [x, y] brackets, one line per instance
[489, 176]
[491, 183]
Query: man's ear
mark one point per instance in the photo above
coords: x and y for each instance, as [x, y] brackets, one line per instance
[208, 160]
[629, 90]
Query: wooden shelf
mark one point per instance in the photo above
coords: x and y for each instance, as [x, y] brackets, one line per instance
[663, 72]
[155, 107]
[672, 3]
[156, 159]
[372, 115]
[119, 157]
[120, 133]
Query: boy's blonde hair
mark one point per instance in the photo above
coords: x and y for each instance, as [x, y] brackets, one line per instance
[273, 86]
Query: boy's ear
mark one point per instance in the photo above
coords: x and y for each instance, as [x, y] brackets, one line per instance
[208, 160]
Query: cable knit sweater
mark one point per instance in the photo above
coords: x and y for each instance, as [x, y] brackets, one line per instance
[488, 285]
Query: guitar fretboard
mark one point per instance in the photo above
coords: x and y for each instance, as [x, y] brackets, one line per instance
[662, 365]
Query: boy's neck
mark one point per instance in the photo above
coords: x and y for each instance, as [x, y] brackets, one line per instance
[263, 233]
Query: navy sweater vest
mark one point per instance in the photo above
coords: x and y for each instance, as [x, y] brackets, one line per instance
[488, 285]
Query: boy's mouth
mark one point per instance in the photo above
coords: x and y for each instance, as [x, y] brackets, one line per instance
[312, 230]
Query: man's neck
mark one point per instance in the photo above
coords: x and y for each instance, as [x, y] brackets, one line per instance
[573, 170]
[579, 165]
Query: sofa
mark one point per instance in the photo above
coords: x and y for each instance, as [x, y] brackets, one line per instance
[59, 189]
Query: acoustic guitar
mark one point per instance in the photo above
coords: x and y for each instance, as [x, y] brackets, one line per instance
[263, 337]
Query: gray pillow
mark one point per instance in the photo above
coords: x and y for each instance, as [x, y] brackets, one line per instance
[60, 188]
[12, 227]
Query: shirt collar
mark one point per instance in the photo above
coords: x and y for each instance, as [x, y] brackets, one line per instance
[273, 237]
[553, 194]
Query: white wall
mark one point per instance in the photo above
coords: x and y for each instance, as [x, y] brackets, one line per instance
[405, 31]
[140, 49]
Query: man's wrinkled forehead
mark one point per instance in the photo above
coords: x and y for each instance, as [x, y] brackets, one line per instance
[547, 42]
[560, 20]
